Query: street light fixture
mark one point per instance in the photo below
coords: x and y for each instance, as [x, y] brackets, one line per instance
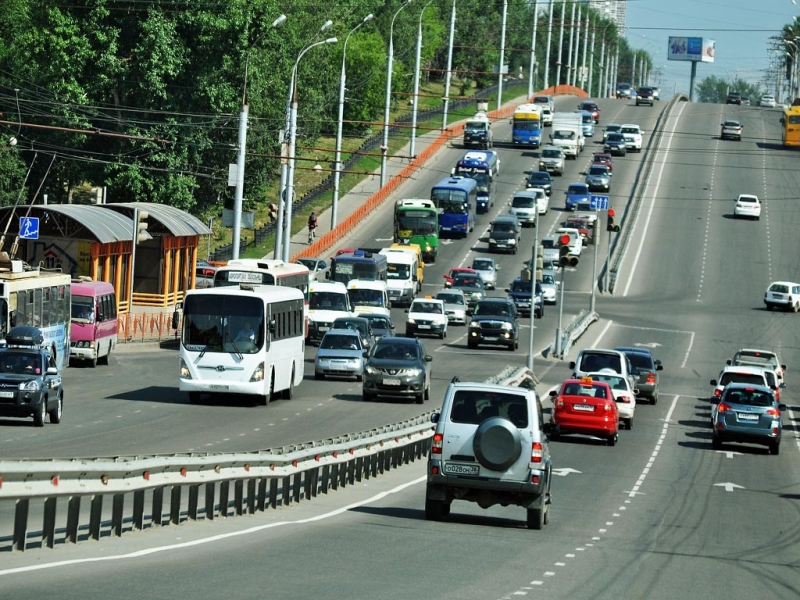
[239, 192]
[415, 95]
[293, 146]
[338, 172]
[282, 227]
[385, 144]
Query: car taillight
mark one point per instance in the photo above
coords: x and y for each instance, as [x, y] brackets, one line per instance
[608, 405]
[651, 377]
[536, 453]
[625, 399]
[559, 403]
[773, 412]
[722, 407]
[717, 393]
[436, 447]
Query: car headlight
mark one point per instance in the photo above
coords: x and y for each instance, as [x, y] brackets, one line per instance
[508, 326]
[410, 321]
[512, 241]
[29, 386]
[413, 372]
[258, 373]
[492, 241]
[370, 370]
[184, 371]
[474, 324]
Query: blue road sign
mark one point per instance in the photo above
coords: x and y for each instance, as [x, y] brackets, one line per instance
[29, 228]
[598, 202]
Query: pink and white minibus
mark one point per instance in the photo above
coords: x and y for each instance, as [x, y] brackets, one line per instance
[93, 332]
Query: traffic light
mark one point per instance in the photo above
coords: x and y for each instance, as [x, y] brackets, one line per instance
[273, 213]
[141, 226]
[565, 260]
[610, 226]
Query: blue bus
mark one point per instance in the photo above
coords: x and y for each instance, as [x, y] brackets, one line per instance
[482, 167]
[457, 200]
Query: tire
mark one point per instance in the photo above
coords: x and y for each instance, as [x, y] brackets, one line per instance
[471, 345]
[434, 510]
[775, 448]
[768, 305]
[428, 393]
[41, 413]
[93, 362]
[629, 424]
[264, 399]
[443, 335]
[319, 376]
[612, 440]
[420, 398]
[55, 414]
[796, 307]
[194, 397]
[104, 360]
[535, 518]
[288, 393]
[716, 443]
[654, 400]
[367, 397]
[359, 378]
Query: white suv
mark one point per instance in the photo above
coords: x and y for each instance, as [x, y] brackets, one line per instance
[426, 316]
[783, 294]
[595, 359]
[490, 447]
[633, 136]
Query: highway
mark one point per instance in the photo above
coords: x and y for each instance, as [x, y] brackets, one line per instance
[661, 515]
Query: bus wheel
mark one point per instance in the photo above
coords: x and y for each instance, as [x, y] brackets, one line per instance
[103, 360]
[93, 362]
[288, 393]
[264, 400]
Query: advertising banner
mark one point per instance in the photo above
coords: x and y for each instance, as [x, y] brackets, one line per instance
[691, 49]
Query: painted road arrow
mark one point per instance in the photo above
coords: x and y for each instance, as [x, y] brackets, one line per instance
[649, 345]
[729, 487]
[729, 453]
[564, 472]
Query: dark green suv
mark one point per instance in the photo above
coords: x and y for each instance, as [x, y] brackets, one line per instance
[30, 384]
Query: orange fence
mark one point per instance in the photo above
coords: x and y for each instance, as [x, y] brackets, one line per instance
[144, 326]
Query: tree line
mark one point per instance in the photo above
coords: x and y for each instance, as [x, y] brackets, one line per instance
[143, 96]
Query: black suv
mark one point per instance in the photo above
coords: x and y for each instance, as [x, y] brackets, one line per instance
[520, 294]
[540, 179]
[734, 98]
[399, 368]
[494, 321]
[30, 384]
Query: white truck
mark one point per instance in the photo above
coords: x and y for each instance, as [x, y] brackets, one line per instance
[567, 132]
[478, 131]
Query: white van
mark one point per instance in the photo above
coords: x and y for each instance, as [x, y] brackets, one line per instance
[327, 301]
[401, 275]
[369, 296]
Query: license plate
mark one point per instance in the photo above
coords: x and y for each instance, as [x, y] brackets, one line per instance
[424, 326]
[389, 381]
[491, 338]
[219, 387]
[457, 469]
[7, 394]
[583, 407]
[323, 328]
[748, 417]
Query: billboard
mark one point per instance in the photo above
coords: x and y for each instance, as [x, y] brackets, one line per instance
[691, 48]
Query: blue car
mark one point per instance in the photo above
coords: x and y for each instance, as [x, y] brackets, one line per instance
[747, 413]
[574, 194]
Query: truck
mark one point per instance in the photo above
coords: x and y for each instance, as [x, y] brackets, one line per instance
[478, 131]
[527, 125]
[482, 167]
[567, 133]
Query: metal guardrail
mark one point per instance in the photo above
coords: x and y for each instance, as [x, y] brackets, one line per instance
[260, 480]
[637, 193]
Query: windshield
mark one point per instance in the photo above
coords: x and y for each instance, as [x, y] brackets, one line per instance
[748, 397]
[481, 264]
[476, 126]
[395, 351]
[482, 179]
[751, 357]
[629, 130]
[361, 297]
[615, 137]
[549, 243]
[598, 362]
[327, 301]
[551, 153]
[615, 382]
[576, 189]
[426, 307]
[452, 202]
[340, 341]
[521, 286]
[526, 125]
[398, 271]
[467, 282]
[549, 279]
[563, 135]
[598, 171]
[83, 309]
[496, 309]
[427, 225]
[214, 323]
[378, 322]
[451, 298]
[474, 406]
[522, 202]
[21, 364]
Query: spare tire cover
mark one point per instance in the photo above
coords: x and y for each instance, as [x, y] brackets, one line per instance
[497, 444]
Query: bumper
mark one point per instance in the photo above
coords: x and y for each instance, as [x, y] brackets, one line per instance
[217, 386]
[348, 368]
[494, 338]
[448, 487]
[747, 436]
[433, 329]
[23, 404]
[83, 353]
[382, 384]
[405, 296]
[503, 246]
[599, 426]
[459, 317]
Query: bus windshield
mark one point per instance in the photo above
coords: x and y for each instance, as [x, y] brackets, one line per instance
[362, 297]
[222, 323]
[482, 179]
[526, 125]
[453, 202]
[418, 225]
[82, 309]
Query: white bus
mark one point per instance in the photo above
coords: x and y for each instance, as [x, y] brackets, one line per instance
[242, 340]
[38, 298]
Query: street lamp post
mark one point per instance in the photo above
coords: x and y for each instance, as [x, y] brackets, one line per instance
[283, 201]
[560, 43]
[415, 96]
[387, 107]
[446, 97]
[293, 147]
[547, 49]
[239, 192]
[337, 174]
[583, 77]
[569, 45]
[533, 47]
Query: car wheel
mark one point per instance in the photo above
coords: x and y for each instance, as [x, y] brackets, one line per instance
[419, 398]
[93, 362]
[535, 518]
[434, 510]
[264, 399]
[366, 397]
[629, 424]
[359, 378]
[716, 443]
[428, 393]
[796, 307]
[654, 400]
[194, 397]
[471, 345]
[612, 440]
[319, 376]
[55, 414]
[443, 335]
[775, 448]
[41, 413]
[768, 305]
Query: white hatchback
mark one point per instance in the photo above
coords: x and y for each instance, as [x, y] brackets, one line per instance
[624, 394]
[747, 206]
[768, 101]
[783, 294]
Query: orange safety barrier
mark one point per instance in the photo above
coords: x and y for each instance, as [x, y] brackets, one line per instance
[144, 326]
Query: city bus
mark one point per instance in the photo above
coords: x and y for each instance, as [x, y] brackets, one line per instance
[38, 298]
[93, 328]
[359, 264]
[417, 222]
[456, 198]
[482, 167]
[791, 126]
[264, 271]
[526, 128]
[245, 340]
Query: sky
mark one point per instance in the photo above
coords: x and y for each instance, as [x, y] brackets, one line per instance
[741, 29]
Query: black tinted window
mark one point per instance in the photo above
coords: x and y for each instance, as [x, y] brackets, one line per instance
[473, 407]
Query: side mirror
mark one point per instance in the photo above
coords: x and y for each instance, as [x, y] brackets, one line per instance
[713, 382]
[272, 326]
[365, 353]
[782, 385]
[428, 358]
[176, 319]
[435, 417]
[548, 428]
[553, 393]
[572, 365]
[508, 290]
[54, 371]
[391, 326]
[780, 406]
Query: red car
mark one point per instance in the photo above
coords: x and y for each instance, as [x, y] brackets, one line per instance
[602, 158]
[586, 407]
[591, 106]
[455, 270]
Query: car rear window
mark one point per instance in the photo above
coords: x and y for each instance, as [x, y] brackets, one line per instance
[641, 361]
[749, 397]
[475, 406]
[741, 378]
[598, 362]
